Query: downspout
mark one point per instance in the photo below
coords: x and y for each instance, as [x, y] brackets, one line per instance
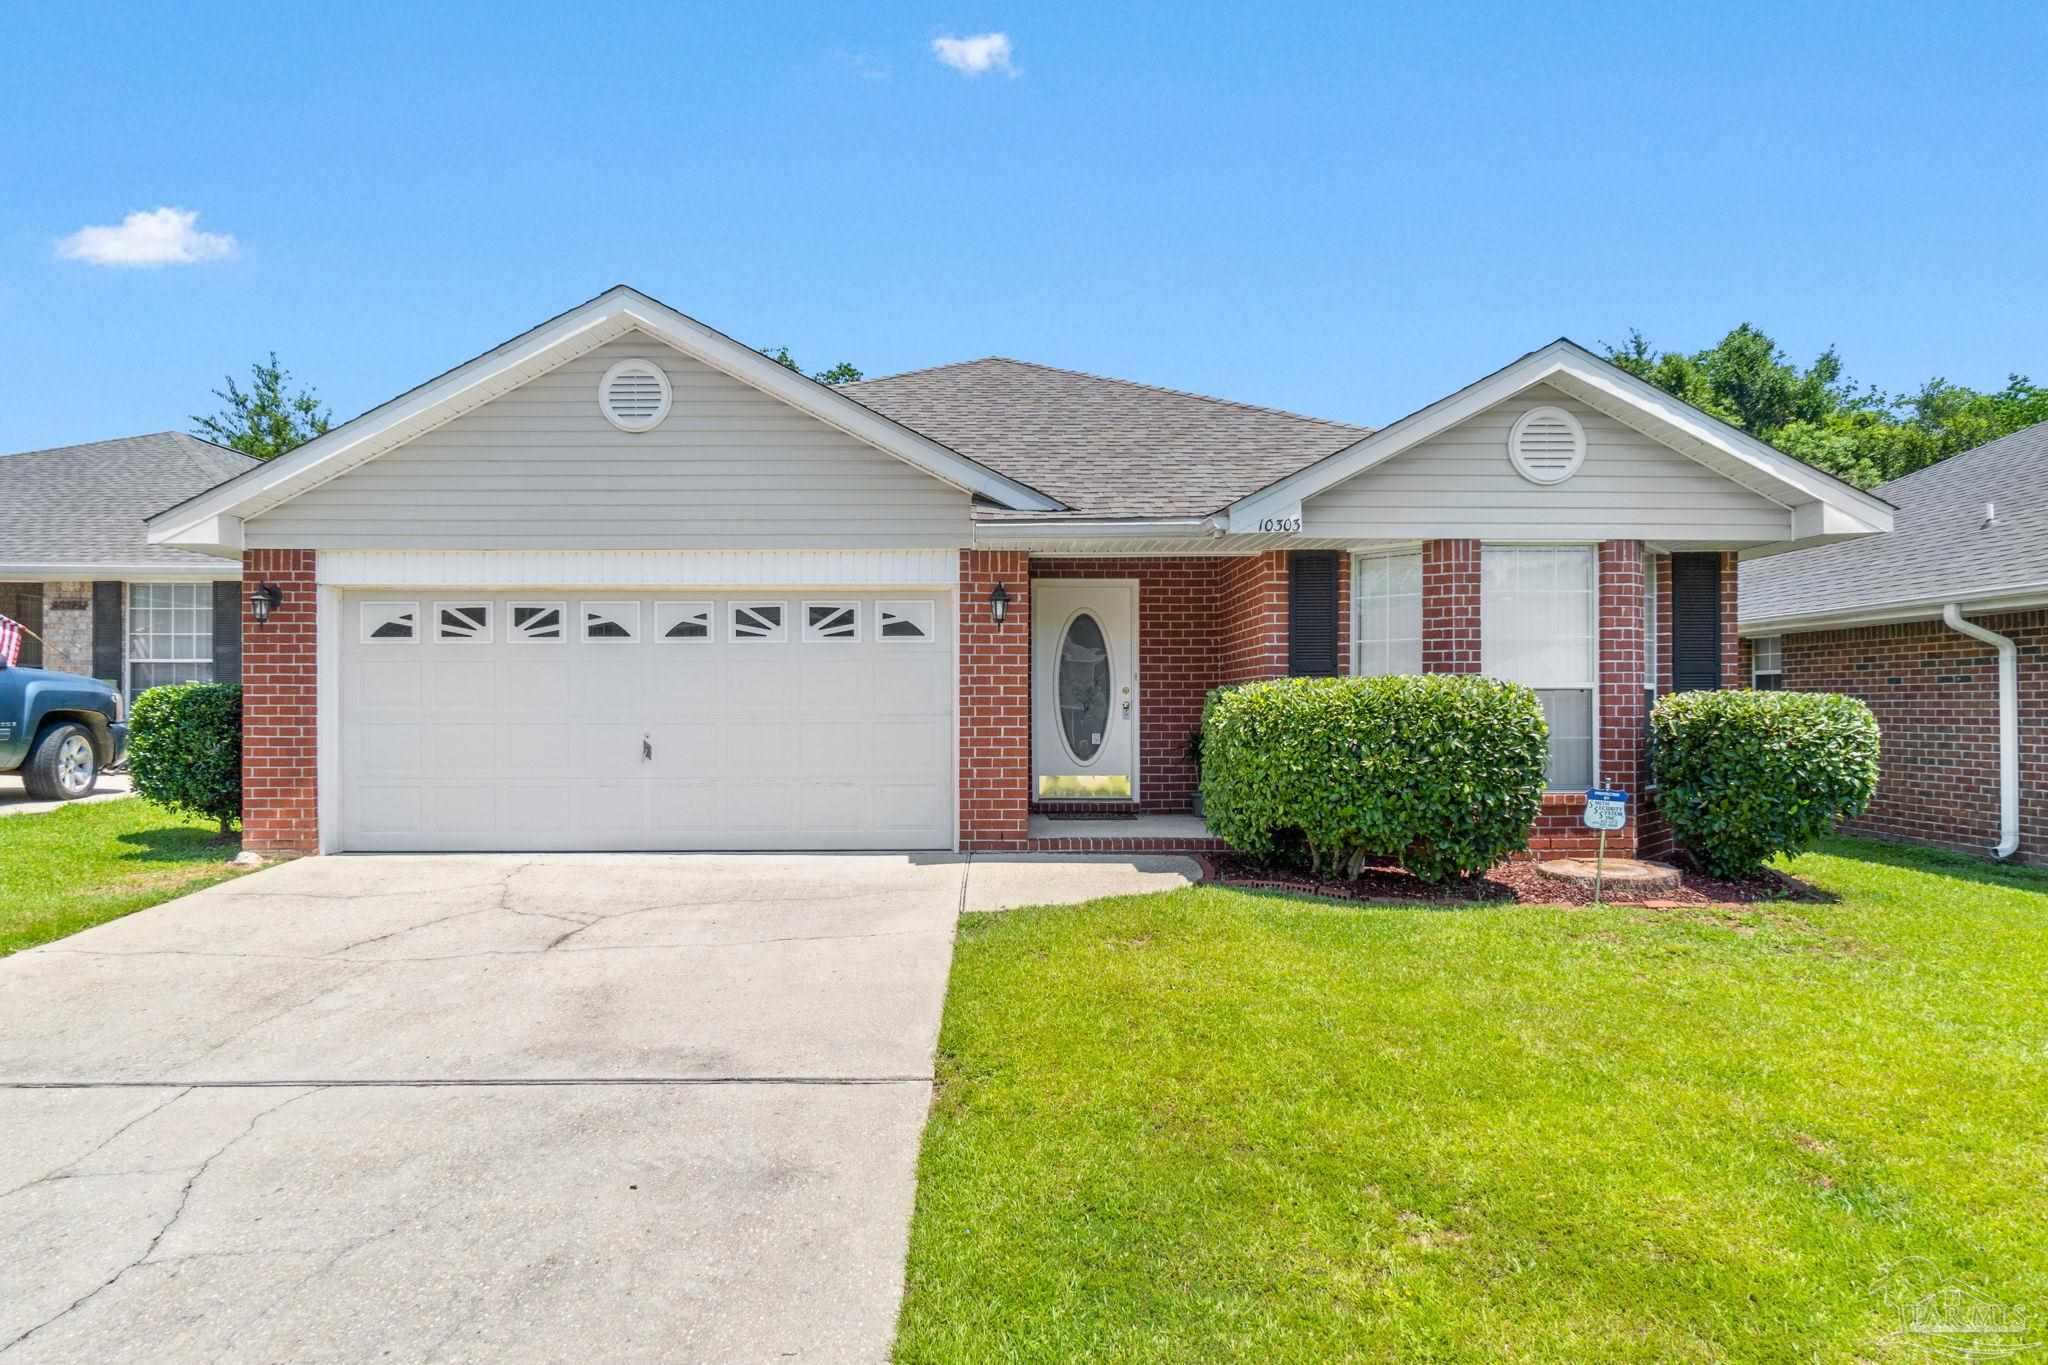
[2008, 727]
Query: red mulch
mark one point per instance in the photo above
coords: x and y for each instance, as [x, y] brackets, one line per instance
[1509, 881]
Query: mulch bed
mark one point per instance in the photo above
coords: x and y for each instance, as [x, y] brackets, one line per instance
[1504, 882]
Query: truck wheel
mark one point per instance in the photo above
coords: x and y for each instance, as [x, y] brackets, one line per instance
[63, 767]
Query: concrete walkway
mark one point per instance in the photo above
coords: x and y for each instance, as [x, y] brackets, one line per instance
[612, 1108]
[14, 800]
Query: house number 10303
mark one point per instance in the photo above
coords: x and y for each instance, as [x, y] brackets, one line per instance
[1280, 524]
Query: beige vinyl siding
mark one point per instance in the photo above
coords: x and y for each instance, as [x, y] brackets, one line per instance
[1460, 484]
[540, 468]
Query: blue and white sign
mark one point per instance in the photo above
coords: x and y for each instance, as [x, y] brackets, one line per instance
[1606, 809]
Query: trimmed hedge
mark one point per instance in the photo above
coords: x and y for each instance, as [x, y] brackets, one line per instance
[1443, 773]
[185, 749]
[1743, 775]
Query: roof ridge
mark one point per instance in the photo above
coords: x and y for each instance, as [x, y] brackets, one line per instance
[1238, 404]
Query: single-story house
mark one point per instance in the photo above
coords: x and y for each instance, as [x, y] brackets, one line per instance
[78, 571]
[622, 582]
[1942, 627]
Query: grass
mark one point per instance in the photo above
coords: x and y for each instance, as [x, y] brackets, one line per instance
[1211, 1125]
[77, 866]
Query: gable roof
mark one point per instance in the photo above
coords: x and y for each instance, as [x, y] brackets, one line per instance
[1941, 551]
[1822, 505]
[1104, 447]
[80, 509]
[213, 518]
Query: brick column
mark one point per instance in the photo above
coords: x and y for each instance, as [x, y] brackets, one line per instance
[995, 702]
[1731, 643]
[1450, 606]
[280, 734]
[1344, 615]
[1622, 718]
[1251, 624]
[1664, 683]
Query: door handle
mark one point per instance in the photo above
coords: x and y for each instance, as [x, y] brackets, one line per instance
[1127, 701]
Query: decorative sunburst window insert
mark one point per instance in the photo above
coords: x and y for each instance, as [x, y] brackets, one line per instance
[537, 623]
[904, 622]
[391, 623]
[611, 623]
[462, 623]
[683, 622]
[758, 623]
[831, 622]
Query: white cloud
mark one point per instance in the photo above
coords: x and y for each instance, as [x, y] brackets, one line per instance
[165, 237]
[975, 55]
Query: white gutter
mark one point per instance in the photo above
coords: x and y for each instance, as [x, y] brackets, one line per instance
[2008, 727]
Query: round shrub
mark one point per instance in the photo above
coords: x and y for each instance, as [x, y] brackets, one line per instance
[1743, 775]
[185, 749]
[1443, 773]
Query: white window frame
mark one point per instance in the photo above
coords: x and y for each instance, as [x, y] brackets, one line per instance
[812, 637]
[1358, 562]
[363, 623]
[1592, 553]
[920, 612]
[1650, 621]
[682, 611]
[625, 611]
[128, 659]
[512, 635]
[1756, 659]
[484, 637]
[732, 635]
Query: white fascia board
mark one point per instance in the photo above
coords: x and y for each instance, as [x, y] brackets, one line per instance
[227, 570]
[2024, 598]
[1795, 482]
[612, 314]
[986, 532]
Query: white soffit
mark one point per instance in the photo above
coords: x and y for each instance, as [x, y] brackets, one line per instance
[657, 569]
[613, 314]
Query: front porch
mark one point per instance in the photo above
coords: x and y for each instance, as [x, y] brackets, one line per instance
[1149, 832]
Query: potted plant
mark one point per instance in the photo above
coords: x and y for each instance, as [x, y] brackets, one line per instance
[1192, 751]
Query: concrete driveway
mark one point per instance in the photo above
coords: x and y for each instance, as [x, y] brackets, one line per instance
[485, 1108]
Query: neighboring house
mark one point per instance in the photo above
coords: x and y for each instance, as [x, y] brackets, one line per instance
[76, 568]
[623, 582]
[1913, 623]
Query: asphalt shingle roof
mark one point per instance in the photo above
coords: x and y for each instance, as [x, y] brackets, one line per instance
[1939, 547]
[84, 504]
[1104, 447]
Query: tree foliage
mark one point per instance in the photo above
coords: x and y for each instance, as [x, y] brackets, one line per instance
[845, 372]
[264, 421]
[1817, 415]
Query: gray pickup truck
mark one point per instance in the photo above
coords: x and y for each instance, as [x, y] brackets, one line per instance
[58, 730]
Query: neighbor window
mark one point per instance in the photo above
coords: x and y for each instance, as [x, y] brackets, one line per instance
[1386, 609]
[1536, 628]
[170, 634]
[1768, 673]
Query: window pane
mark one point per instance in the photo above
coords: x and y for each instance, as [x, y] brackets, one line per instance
[1387, 614]
[1536, 617]
[1570, 717]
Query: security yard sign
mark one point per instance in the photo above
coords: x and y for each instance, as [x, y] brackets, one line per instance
[1606, 809]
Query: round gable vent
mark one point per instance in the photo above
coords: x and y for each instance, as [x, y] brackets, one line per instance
[634, 395]
[1546, 445]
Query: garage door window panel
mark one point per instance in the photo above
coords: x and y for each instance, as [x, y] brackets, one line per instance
[759, 623]
[462, 623]
[391, 623]
[611, 623]
[682, 622]
[827, 622]
[903, 622]
[537, 623]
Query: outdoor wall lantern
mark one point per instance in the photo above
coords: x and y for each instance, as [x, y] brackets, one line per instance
[998, 604]
[263, 600]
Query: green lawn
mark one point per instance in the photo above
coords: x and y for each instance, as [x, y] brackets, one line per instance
[76, 866]
[1211, 1125]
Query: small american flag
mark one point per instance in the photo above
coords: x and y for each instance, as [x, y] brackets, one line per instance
[10, 642]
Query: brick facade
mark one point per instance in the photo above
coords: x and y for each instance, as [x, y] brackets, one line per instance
[995, 703]
[1450, 606]
[1935, 695]
[280, 762]
[1250, 625]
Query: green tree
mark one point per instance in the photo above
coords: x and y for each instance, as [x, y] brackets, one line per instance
[264, 421]
[845, 372]
[1814, 414]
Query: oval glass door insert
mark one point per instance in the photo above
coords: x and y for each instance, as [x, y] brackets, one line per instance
[1083, 687]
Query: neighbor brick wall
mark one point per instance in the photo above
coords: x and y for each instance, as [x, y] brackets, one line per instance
[1251, 618]
[280, 735]
[1450, 606]
[995, 703]
[1935, 695]
[67, 626]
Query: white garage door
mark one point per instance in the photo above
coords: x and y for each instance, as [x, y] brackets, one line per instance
[599, 720]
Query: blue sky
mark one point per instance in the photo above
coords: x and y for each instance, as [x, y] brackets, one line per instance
[1345, 210]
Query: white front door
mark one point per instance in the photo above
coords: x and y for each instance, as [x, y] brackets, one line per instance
[1084, 705]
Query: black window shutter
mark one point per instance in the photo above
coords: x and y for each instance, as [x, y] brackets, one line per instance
[1312, 613]
[227, 631]
[1695, 622]
[107, 632]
